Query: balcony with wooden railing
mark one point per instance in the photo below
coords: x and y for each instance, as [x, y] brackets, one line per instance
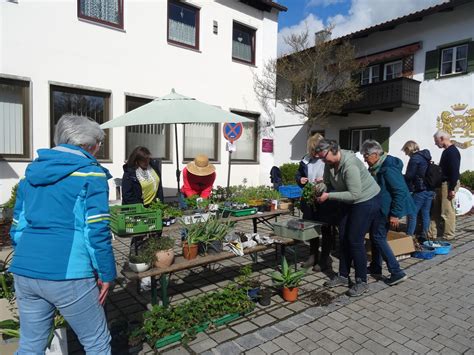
[386, 95]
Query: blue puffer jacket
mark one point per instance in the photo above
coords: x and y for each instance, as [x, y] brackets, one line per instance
[61, 218]
[396, 199]
[416, 170]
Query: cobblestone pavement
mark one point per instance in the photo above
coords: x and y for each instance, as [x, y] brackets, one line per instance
[432, 312]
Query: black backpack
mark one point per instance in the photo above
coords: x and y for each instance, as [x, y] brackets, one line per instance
[433, 176]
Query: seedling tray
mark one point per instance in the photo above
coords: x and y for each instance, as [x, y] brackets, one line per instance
[237, 213]
[297, 229]
[134, 219]
[173, 338]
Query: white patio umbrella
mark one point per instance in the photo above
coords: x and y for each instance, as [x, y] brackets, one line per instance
[175, 108]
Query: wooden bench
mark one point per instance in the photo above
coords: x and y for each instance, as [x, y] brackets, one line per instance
[184, 264]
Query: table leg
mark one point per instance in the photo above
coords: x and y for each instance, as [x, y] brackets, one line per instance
[154, 296]
[254, 222]
[164, 280]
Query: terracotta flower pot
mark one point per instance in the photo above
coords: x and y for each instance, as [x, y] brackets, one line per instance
[164, 258]
[190, 251]
[290, 294]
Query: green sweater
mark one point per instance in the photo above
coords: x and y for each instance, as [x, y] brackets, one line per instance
[352, 182]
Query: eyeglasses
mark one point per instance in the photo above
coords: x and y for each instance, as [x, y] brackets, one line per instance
[325, 155]
[366, 155]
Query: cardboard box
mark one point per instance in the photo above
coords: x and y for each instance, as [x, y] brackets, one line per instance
[400, 243]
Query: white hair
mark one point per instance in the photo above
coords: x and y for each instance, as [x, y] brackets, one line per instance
[442, 134]
[78, 130]
[370, 147]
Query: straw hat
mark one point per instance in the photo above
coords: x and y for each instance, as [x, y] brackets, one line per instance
[201, 166]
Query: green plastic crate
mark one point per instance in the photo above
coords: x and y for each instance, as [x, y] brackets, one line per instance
[307, 229]
[238, 213]
[134, 219]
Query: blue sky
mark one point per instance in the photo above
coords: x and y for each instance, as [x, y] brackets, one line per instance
[345, 15]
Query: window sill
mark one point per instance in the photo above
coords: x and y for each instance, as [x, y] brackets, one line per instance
[451, 75]
[15, 160]
[183, 46]
[243, 162]
[110, 27]
[244, 63]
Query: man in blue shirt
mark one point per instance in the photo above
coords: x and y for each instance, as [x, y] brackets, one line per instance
[443, 210]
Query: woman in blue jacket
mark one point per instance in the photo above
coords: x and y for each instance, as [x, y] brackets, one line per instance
[421, 193]
[396, 203]
[63, 255]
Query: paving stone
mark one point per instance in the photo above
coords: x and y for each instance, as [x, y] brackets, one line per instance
[320, 351]
[308, 345]
[249, 341]
[399, 348]
[223, 335]
[203, 345]
[244, 327]
[176, 351]
[263, 320]
[328, 345]
[269, 347]
[281, 313]
[254, 351]
[417, 347]
[375, 347]
[268, 333]
[285, 326]
[286, 344]
[229, 348]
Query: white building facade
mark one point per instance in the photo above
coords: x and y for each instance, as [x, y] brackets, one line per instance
[418, 77]
[102, 58]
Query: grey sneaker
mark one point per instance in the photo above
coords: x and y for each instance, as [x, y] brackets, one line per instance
[358, 289]
[337, 280]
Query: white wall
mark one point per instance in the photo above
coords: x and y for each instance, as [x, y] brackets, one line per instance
[435, 95]
[46, 42]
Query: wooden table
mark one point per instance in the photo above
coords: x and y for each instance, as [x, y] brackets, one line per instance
[184, 264]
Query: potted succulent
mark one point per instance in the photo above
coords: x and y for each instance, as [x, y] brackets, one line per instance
[213, 235]
[191, 240]
[248, 282]
[288, 280]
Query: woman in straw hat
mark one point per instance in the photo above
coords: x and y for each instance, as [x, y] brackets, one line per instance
[198, 177]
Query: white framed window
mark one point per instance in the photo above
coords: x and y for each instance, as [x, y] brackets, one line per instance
[454, 60]
[156, 137]
[392, 70]
[358, 136]
[201, 138]
[14, 119]
[370, 75]
[247, 144]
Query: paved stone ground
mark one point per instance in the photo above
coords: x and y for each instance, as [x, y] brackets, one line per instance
[431, 312]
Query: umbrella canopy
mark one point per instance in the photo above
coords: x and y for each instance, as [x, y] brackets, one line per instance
[174, 108]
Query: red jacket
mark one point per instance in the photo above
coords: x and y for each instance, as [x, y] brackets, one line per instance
[197, 185]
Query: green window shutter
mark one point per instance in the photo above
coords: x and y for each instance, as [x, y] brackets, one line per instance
[432, 64]
[383, 136]
[345, 139]
[470, 57]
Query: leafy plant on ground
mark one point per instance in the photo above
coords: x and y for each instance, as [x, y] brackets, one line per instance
[186, 316]
[286, 277]
[245, 279]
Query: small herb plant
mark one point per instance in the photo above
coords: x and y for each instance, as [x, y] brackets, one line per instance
[245, 279]
[286, 277]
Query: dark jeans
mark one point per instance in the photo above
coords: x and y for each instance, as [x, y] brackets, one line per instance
[381, 249]
[355, 223]
[423, 202]
[326, 243]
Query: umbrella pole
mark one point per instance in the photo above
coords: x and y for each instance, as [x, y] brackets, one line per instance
[178, 173]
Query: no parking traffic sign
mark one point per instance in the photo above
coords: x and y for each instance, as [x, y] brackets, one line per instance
[232, 131]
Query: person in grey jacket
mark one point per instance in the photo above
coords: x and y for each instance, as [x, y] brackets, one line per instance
[349, 182]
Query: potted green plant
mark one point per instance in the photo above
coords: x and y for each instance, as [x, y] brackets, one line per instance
[190, 244]
[139, 262]
[162, 249]
[251, 284]
[135, 340]
[288, 280]
[213, 235]
[265, 296]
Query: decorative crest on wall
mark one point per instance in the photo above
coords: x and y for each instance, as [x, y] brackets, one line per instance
[459, 123]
